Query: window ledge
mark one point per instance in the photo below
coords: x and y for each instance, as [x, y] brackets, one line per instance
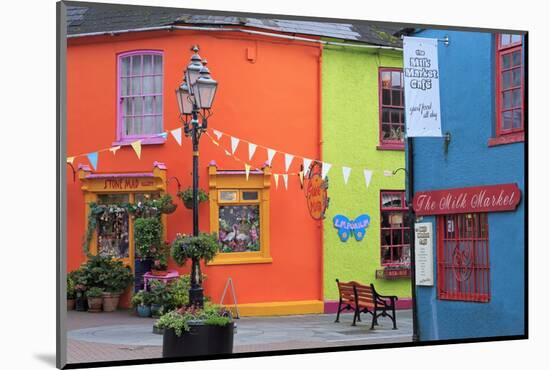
[229, 260]
[150, 140]
[517, 137]
[396, 147]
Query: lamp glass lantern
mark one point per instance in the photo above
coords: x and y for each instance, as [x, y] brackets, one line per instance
[184, 97]
[205, 91]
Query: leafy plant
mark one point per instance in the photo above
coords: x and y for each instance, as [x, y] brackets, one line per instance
[94, 292]
[184, 247]
[116, 277]
[71, 292]
[147, 236]
[187, 196]
[161, 294]
[180, 319]
[142, 297]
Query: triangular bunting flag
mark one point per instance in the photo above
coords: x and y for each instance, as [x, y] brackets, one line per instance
[285, 180]
[301, 175]
[234, 144]
[346, 171]
[288, 161]
[251, 150]
[276, 178]
[270, 155]
[217, 133]
[247, 170]
[92, 157]
[307, 163]
[164, 135]
[324, 171]
[114, 149]
[70, 160]
[137, 148]
[368, 176]
[177, 135]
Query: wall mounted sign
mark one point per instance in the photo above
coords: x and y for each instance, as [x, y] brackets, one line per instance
[346, 227]
[421, 80]
[423, 253]
[315, 189]
[492, 198]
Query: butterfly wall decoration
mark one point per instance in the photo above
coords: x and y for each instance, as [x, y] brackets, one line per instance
[346, 227]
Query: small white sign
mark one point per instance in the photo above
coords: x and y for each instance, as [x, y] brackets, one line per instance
[423, 241]
[421, 79]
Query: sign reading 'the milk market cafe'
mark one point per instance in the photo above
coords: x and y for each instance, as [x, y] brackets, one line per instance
[421, 77]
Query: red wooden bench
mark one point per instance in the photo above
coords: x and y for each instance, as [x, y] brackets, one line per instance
[365, 299]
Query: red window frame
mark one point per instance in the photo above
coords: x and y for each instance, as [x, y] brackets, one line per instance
[512, 134]
[403, 229]
[388, 144]
[463, 269]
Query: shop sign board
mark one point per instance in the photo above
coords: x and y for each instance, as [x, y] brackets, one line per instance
[316, 191]
[423, 253]
[492, 198]
[346, 227]
[421, 82]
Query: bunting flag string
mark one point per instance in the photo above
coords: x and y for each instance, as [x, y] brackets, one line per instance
[252, 148]
[234, 144]
[137, 148]
[177, 135]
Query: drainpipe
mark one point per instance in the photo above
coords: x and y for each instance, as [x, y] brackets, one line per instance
[410, 185]
[320, 133]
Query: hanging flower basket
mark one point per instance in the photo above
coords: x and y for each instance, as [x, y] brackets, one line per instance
[169, 208]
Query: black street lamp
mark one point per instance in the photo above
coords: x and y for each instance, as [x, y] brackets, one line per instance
[195, 97]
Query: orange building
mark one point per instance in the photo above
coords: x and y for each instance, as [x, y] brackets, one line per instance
[120, 88]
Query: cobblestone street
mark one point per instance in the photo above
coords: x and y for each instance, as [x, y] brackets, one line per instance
[123, 336]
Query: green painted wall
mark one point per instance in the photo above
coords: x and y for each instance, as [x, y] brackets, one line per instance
[350, 137]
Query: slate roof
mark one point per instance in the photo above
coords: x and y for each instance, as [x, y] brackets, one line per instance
[83, 18]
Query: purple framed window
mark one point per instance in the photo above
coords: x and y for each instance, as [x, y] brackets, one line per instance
[140, 96]
[392, 107]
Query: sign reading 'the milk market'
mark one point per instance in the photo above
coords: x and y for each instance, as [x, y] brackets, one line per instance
[423, 253]
[421, 77]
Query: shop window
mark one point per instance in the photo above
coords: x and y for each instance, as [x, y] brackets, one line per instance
[392, 108]
[463, 257]
[509, 89]
[140, 96]
[394, 229]
[112, 227]
[239, 211]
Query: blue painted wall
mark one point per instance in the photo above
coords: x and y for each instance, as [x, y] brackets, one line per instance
[467, 88]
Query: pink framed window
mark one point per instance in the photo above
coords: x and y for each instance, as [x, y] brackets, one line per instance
[509, 86]
[463, 268]
[394, 229]
[140, 92]
[392, 108]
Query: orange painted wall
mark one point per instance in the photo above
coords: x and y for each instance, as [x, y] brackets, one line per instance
[273, 101]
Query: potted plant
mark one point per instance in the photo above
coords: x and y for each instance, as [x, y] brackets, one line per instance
[147, 240]
[116, 278]
[189, 331]
[160, 260]
[79, 278]
[161, 297]
[187, 197]
[95, 300]
[167, 206]
[142, 302]
[71, 292]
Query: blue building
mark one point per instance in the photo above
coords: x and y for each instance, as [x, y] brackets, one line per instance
[472, 189]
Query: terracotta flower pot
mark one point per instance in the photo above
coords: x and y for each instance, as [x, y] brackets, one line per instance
[110, 301]
[94, 304]
[70, 304]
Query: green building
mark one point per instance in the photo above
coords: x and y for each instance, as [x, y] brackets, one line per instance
[362, 128]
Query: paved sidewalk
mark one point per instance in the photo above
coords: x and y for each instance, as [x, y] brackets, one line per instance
[122, 336]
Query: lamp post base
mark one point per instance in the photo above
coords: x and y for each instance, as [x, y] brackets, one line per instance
[196, 297]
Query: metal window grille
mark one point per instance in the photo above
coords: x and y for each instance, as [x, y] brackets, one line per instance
[463, 257]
